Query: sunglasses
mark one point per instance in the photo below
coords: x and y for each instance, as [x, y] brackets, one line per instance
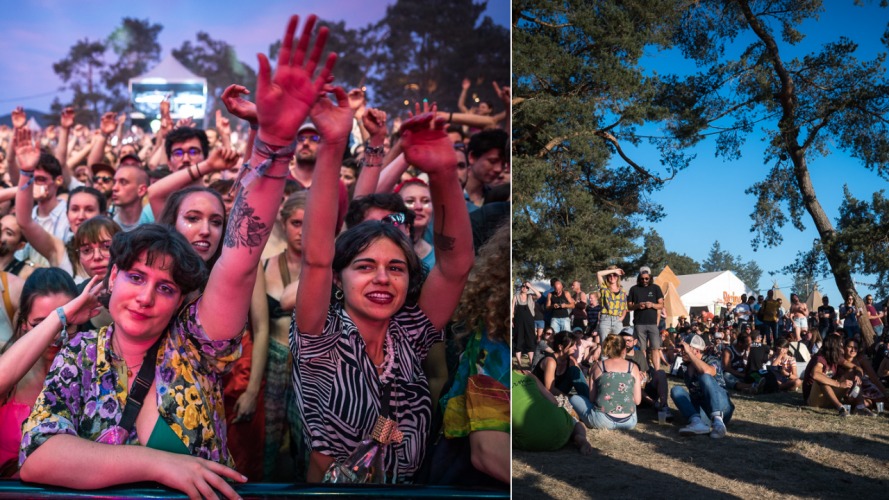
[304, 138]
[191, 152]
[102, 178]
[394, 219]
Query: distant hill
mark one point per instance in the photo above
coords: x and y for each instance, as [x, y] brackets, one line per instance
[39, 116]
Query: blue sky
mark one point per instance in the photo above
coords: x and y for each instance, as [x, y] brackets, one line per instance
[38, 33]
[706, 202]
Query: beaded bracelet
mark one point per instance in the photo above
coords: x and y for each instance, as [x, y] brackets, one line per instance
[247, 175]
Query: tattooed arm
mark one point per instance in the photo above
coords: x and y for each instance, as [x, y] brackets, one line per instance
[426, 146]
[282, 104]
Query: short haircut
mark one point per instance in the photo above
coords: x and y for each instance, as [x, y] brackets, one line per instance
[49, 164]
[100, 198]
[291, 186]
[222, 186]
[157, 241]
[486, 140]
[183, 134]
[392, 202]
[489, 102]
[159, 173]
[457, 129]
[141, 176]
[296, 201]
[498, 194]
[352, 164]
[91, 232]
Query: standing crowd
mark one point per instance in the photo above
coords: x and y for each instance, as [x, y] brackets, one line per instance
[259, 304]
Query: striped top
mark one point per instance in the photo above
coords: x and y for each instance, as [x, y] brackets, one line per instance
[337, 388]
[613, 304]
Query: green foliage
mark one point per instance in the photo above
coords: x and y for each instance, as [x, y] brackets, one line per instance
[429, 46]
[578, 97]
[136, 46]
[218, 62]
[81, 71]
[718, 260]
[682, 264]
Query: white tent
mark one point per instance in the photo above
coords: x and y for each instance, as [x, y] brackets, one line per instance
[189, 92]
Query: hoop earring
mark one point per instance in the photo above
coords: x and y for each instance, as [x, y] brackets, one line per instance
[339, 295]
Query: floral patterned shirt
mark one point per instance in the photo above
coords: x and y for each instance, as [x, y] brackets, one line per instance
[84, 395]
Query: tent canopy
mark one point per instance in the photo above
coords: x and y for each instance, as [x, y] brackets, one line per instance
[814, 300]
[665, 277]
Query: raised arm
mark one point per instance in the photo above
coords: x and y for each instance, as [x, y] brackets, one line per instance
[282, 104]
[18, 123]
[426, 146]
[45, 243]
[392, 172]
[334, 124]
[477, 121]
[243, 109]
[106, 127]
[220, 159]
[374, 122]
[223, 130]
[461, 101]
[22, 355]
[67, 121]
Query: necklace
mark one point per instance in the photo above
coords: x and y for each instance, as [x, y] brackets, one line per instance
[129, 368]
[388, 359]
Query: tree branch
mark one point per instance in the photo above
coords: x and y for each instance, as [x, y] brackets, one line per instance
[613, 140]
[538, 21]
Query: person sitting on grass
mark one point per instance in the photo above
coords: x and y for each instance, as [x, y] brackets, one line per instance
[555, 370]
[654, 383]
[872, 390]
[616, 389]
[705, 389]
[542, 347]
[538, 423]
[823, 385]
[734, 363]
[784, 365]
[587, 351]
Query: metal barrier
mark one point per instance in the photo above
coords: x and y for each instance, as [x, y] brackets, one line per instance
[256, 491]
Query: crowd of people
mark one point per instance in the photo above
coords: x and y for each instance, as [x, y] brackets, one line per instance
[589, 366]
[257, 304]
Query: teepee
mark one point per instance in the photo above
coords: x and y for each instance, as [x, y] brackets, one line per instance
[673, 304]
[814, 300]
[665, 277]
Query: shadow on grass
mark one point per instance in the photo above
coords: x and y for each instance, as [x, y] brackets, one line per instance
[622, 479]
[770, 457]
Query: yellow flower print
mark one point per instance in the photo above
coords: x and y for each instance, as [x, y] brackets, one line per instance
[180, 400]
[177, 429]
[192, 396]
[191, 417]
[207, 434]
[180, 412]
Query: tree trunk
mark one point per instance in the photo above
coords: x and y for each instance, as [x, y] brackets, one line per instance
[789, 130]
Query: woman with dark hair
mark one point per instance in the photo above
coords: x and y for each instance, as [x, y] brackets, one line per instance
[523, 332]
[823, 385]
[557, 372]
[184, 350]
[26, 360]
[83, 203]
[870, 389]
[784, 365]
[368, 345]
[92, 249]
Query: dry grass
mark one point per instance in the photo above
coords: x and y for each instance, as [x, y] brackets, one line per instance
[775, 448]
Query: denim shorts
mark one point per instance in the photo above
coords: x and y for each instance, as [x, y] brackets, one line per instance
[540, 325]
[802, 322]
[609, 325]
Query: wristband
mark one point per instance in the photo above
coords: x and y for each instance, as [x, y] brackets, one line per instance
[254, 126]
[61, 312]
[30, 175]
[198, 169]
[261, 149]
[190, 173]
[451, 117]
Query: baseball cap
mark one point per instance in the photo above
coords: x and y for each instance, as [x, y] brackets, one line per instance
[645, 270]
[627, 331]
[130, 157]
[102, 167]
[717, 335]
[308, 125]
[697, 342]
[577, 329]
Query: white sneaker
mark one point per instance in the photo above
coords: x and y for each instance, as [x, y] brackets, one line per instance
[694, 429]
[718, 430]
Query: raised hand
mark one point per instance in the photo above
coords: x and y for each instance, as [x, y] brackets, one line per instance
[165, 107]
[50, 132]
[237, 105]
[223, 125]
[108, 124]
[221, 159]
[122, 118]
[504, 94]
[374, 121]
[185, 122]
[466, 84]
[18, 118]
[284, 100]
[86, 306]
[333, 121]
[67, 118]
[26, 153]
[426, 144]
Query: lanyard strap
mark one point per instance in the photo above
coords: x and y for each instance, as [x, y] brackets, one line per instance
[140, 387]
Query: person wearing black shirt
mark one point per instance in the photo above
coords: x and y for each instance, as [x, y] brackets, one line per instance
[646, 300]
[560, 303]
[827, 318]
